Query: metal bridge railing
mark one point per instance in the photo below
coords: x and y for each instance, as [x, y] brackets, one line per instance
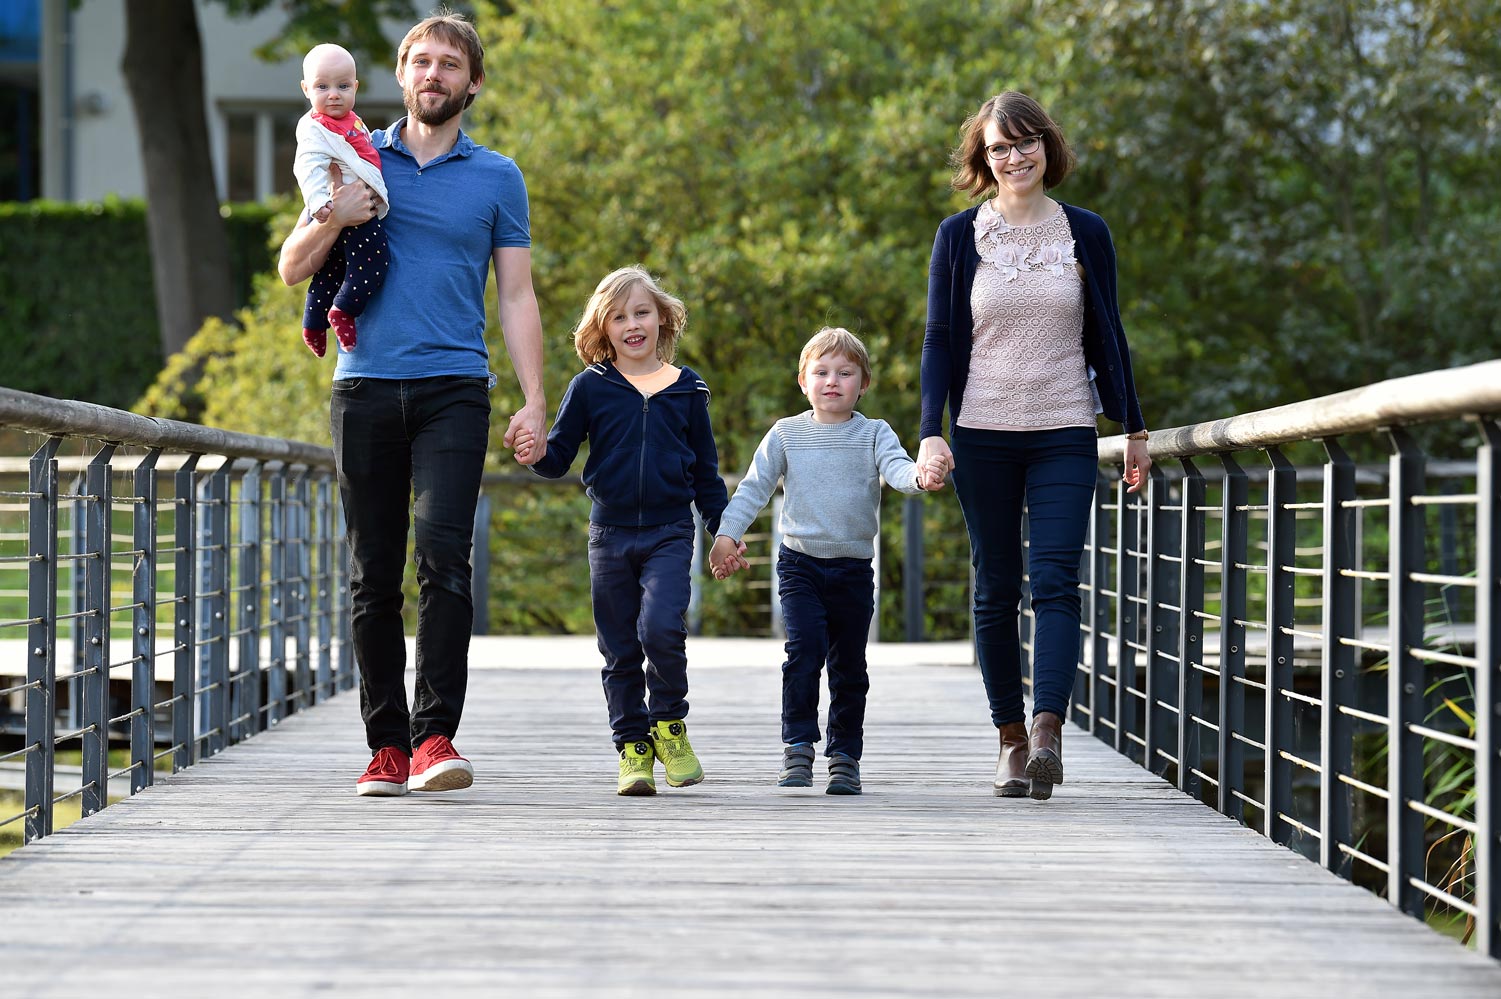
[200, 576]
[1314, 651]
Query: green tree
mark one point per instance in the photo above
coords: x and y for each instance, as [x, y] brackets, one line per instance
[1300, 194]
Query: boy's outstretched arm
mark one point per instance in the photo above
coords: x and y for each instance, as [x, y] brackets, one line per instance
[898, 470]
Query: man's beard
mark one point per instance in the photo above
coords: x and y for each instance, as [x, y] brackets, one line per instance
[429, 115]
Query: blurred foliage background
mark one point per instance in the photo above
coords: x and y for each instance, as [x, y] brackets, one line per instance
[1302, 194]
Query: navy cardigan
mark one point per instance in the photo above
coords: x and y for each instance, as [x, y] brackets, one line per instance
[950, 330]
[649, 458]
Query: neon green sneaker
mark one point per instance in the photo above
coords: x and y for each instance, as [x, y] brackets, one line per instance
[670, 738]
[636, 765]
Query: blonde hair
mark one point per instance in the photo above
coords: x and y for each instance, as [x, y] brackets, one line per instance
[450, 29]
[836, 340]
[589, 337]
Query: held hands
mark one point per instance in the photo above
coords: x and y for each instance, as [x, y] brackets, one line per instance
[934, 462]
[727, 557]
[1138, 464]
[524, 434]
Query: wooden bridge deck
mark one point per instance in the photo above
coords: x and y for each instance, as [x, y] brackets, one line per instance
[259, 872]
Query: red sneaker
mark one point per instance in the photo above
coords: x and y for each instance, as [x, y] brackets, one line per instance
[436, 767]
[386, 777]
[316, 340]
[343, 324]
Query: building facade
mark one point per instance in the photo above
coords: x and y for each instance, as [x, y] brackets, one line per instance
[90, 142]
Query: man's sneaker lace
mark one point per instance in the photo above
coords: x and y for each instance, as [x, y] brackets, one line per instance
[436, 766]
[386, 776]
[670, 740]
[636, 765]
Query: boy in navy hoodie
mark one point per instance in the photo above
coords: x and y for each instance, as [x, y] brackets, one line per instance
[651, 459]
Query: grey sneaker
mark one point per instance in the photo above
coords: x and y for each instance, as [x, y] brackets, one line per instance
[797, 766]
[844, 775]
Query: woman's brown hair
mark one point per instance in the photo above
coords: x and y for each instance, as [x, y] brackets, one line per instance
[1018, 117]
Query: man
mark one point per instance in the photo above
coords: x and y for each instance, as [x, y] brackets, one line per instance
[410, 408]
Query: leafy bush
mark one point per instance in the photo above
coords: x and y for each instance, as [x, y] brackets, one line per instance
[77, 308]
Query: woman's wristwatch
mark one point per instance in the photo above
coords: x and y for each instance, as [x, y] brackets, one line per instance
[1140, 435]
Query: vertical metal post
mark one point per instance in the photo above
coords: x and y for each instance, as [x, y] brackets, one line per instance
[1026, 618]
[1161, 684]
[873, 632]
[298, 605]
[348, 668]
[777, 630]
[1339, 663]
[95, 701]
[1234, 540]
[1448, 557]
[215, 610]
[913, 566]
[479, 572]
[276, 683]
[1405, 685]
[1127, 585]
[41, 639]
[695, 615]
[183, 633]
[248, 604]
[1282, 488]
[1488, 689]
[77, 575]
[1099, 607]
[1191, 629]
[325, 584]
[143, 627]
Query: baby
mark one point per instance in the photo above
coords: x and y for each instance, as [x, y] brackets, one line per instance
[331, 136]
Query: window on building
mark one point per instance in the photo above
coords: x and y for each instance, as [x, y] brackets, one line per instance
[260, 143]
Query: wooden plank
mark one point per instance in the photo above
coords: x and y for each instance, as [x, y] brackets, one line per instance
[259, 871]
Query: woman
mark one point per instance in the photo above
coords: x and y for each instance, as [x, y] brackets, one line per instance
[1024, 345]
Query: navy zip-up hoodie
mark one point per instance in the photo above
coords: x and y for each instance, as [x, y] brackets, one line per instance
[950, 330]
[650, 459]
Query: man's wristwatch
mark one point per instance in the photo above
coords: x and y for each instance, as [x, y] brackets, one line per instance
[1140, 435]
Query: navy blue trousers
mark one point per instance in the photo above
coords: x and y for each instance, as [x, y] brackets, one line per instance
[355, 270]
[639, 587]
[826, 609]
[405, 451]
[1053, 473]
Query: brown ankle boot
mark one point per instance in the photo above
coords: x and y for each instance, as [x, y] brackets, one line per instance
[1045, 765]
[1011, 768]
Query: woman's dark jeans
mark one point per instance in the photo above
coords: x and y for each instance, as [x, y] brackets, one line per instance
[639, 587]
[826, 609]
[1053, 473]
[395, 440]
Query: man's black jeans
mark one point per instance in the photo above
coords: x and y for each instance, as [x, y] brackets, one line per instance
[396, 441]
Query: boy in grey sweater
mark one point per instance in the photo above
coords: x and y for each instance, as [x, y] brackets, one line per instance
[831, 461]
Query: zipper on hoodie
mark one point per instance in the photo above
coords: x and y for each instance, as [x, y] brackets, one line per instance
[641, 464]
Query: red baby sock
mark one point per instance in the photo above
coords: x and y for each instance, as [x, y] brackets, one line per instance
[343, 324]
[316, 340]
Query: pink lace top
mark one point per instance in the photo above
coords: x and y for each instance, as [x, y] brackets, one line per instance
[1026, 368]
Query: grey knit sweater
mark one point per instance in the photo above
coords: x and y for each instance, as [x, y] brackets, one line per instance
[832, 487]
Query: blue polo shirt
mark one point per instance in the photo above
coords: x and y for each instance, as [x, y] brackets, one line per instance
[447, 217]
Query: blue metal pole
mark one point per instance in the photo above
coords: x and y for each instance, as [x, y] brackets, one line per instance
[41, 640]
[1405, 677]
[143, 678]
[1191, 630]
